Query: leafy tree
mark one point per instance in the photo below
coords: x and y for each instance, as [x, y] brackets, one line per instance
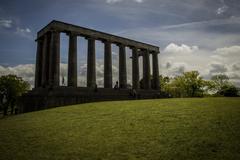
[222, 86]
[190, 84]
[11, 87]
[219, 82]
[163, 81]
[229, 91]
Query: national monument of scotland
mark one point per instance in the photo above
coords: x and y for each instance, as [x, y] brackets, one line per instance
[48, 93]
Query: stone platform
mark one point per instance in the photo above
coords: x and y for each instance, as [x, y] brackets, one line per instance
[44, 98]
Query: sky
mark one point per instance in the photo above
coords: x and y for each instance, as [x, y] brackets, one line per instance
[201, 35]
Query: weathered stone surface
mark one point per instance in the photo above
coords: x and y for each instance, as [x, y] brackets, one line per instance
[44, 98]
[45, 61]
[155, 70]
[72, 61]
[122, 66]
[146, 70]
[135, 68]
[107, 65]
[54, 61]
[81, 31]
[39, 62]
[91, 64]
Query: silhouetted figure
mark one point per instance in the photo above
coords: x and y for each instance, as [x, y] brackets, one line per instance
[116, 85]
[63, 81]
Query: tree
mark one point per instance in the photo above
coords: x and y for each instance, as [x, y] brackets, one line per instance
[220, 82]
[229, 91]
[190, 84]
[163, 81]
[222, 86]
[11, 87]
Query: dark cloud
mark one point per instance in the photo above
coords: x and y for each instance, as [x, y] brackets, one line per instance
[236, 67]
[218, 68]
[168, 65]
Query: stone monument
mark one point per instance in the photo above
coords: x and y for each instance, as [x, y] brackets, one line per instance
[47, 91]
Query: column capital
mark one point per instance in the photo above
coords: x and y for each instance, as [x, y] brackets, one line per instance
[121, 45]
[40, 39]
[152, 52]
[106, 41]
[69, 33]
[90, 38]
[54, 31]
[133, 47]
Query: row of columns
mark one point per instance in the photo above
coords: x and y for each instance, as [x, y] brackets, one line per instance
[48, 63]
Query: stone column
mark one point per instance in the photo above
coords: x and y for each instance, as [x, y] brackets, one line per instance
[135, 68]
[38, 65]
[122, 67]
[156, 83]
[54, 62]
[72, 60]
[107, 65]
[45, 60]
[91, 64]
[146, 70]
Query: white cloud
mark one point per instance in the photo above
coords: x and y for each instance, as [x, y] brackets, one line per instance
[183, 49]
[24, 32]
[6, 23]
[222, 10]
[178, 58]
[26, 71]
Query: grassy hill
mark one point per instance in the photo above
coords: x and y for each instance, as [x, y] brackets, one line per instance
[201, 128]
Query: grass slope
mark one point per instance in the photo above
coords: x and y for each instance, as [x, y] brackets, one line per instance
[207, 128]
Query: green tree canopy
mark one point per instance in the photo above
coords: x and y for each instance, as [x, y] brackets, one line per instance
[190, 84]
[222, 86]
[12, 87]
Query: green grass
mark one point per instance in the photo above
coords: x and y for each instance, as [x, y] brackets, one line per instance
[198, 128]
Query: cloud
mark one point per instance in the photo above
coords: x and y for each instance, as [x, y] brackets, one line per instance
[209, 34]
[176, 59]
[182, 49]
[138, 1]
[26, 71]
[6, 23]
[115, 1]
[217, 68]
[236, 67]
[24, 32]
[15, 28]
[222, 10]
